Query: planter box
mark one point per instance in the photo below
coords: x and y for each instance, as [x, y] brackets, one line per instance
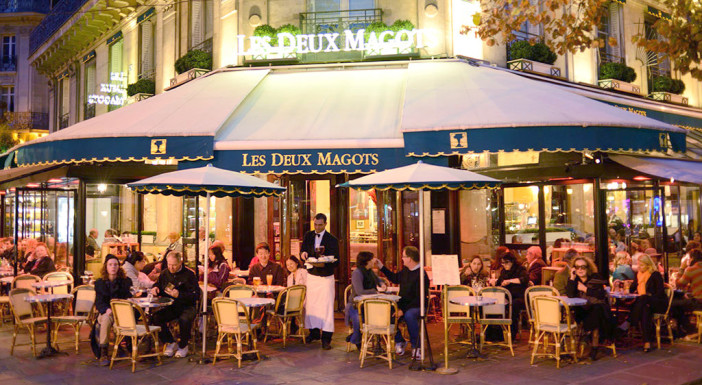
[187, 76]
[138, 97]
[614, 84]
[147, 238]
[668, 97]
[525, 65]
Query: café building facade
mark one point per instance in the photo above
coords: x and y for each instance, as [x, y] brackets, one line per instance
[315, 108]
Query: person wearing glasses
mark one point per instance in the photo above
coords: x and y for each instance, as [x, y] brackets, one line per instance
[514, 278]
[596, 316]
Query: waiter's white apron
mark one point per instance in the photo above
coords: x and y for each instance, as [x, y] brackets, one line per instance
[319, 304]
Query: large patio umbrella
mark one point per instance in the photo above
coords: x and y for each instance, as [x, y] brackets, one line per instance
[422, 177]
[207, 181]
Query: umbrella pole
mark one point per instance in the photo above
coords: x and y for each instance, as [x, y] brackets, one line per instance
[421, 274]
[203, 359]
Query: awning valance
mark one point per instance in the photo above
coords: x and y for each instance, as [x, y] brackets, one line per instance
[451, 107]
[679, 170]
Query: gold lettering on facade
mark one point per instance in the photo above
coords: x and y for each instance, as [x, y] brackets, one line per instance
[300, 160]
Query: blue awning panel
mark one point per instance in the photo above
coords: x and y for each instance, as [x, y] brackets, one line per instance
[678, 169]
[120, 149]
[543, 138]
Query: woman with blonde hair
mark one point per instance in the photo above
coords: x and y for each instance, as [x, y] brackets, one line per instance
[622, 267]
[648, 283]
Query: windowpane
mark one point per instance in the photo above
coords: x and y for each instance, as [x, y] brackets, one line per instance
[363, 214]
[146, 47]
[522, 215]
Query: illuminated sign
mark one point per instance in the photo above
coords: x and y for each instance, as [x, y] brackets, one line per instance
[113, 93]
[348, 41]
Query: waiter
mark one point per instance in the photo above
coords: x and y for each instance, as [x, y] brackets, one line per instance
[319, 305]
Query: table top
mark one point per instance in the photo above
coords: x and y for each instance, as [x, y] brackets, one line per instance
[47, 297]
[391, 297]
[6, 273]
[256, 301]
[239, 273]
[7, 280]
[210, 288]
[154, 303]
[268, 289]
[573, 301]
[392, 290]
[45, 284]
[622, 295]
[470, 300]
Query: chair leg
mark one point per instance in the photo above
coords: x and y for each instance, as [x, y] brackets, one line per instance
[118, 340]
[670, 332]
[135, 343]
[658, 334]
[33, 338]
[482, 338]
[220, 337]
[364, 347]
[284, 332]
[558, 350]
[158, 352]
[536, 347]
[14, 337]
[509, 338]
[238, 348]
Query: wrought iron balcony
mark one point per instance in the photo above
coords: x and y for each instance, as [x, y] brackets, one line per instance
[606, 57]
[89, 111]
[63, 121]
[338, 21]
[63, 11]
[27, 121]
[8, 64]
[14, 6]
[205, 46]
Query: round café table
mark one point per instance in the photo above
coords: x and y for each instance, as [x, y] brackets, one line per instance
[474, 302]
[256, 301]
[622, 295]
[266, 289]
[391, 297]
[49, 350]
[147, 303]
[572, 302]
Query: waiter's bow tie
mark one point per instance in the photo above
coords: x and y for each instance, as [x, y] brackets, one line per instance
[319, 235]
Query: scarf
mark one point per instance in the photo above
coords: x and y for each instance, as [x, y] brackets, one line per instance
[641, 279]
[369, 280]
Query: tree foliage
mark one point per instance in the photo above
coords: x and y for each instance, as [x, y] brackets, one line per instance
[570, 26]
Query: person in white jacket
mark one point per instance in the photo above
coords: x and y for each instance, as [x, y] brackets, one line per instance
[132, 267]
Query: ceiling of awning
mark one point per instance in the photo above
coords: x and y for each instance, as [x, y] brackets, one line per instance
[679, 170]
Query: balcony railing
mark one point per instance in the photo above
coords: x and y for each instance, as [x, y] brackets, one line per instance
[63, 121]
[27, 121]
[14, 6]
[338, 21]
[205, 46]
[63, 11]
[88, 111]
[606, 57]
[8, 64]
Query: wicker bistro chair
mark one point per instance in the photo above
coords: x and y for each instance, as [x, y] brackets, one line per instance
[349, 330]
[83, 310]
[379, 319]
[663, 319]
[456, 314]
[698, 319]
[291, 302]
[529, 295]
[498, 314]
[60, 276]
[25, 282]
[24, 316]
[548, 321]
[5, 309]
[230, 324]
[126, 325]
[238, 291]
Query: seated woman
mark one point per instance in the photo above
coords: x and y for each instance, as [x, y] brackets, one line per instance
[474, 271]
[496, 265]
[514, 278]
[297, 276]
[218, 269]
[596, 316]
[363, 281]
[133, 266]
[622, 267]
[112, 284]
[648, 283]
[40, 261]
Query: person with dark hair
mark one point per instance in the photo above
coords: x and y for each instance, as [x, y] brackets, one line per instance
[363, 281]
[218, 273]
[596, 315]
[297, 275]
[690, 279]
[319, 316]
[133, 265]
[496, 265]
[560, 279]
[515, 279]
[409, 303]
[112, 284]
[40, 261]
[179, 283]
[474, 271]
[265, 266]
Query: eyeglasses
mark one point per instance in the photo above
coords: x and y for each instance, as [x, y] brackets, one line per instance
[580, 267]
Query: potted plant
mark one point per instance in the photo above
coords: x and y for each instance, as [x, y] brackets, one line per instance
[667, 89]
[537, 58]
[291, 29]
[142, 89]
[372, 36]
[618, 76]
[265, 30]
[191, 65]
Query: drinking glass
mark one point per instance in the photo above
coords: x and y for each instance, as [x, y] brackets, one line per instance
[319, 250]
[256, 281]
[269, 279]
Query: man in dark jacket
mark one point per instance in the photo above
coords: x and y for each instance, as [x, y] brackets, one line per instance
[409, 303]
[536, 263]
[180, 283]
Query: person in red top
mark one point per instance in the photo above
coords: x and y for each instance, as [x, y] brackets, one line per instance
[692, 280]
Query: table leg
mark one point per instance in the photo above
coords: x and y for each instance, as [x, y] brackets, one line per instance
[49, 350]
[474, 352]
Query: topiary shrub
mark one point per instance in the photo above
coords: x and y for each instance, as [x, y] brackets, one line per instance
[668, 84]
[289, 28]
[194, 59]
[617, 71]
[377, 27]
[142, 86]
[540, 52]
[266, 30]
[400, 24]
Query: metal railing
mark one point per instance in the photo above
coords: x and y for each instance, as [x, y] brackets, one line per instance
[63, 121]
[88, 111]
[27, 121]
[605, 57]
[338, 21]
[8, 64]
[205, 46]
[63, 11]
[12, 6]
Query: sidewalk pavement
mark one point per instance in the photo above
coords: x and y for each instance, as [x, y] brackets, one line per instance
[679, 363]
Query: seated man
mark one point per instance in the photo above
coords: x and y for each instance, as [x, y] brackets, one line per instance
[536, 263]
[691, 279]
[179, 283]
[408, 279]
[265, 267]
